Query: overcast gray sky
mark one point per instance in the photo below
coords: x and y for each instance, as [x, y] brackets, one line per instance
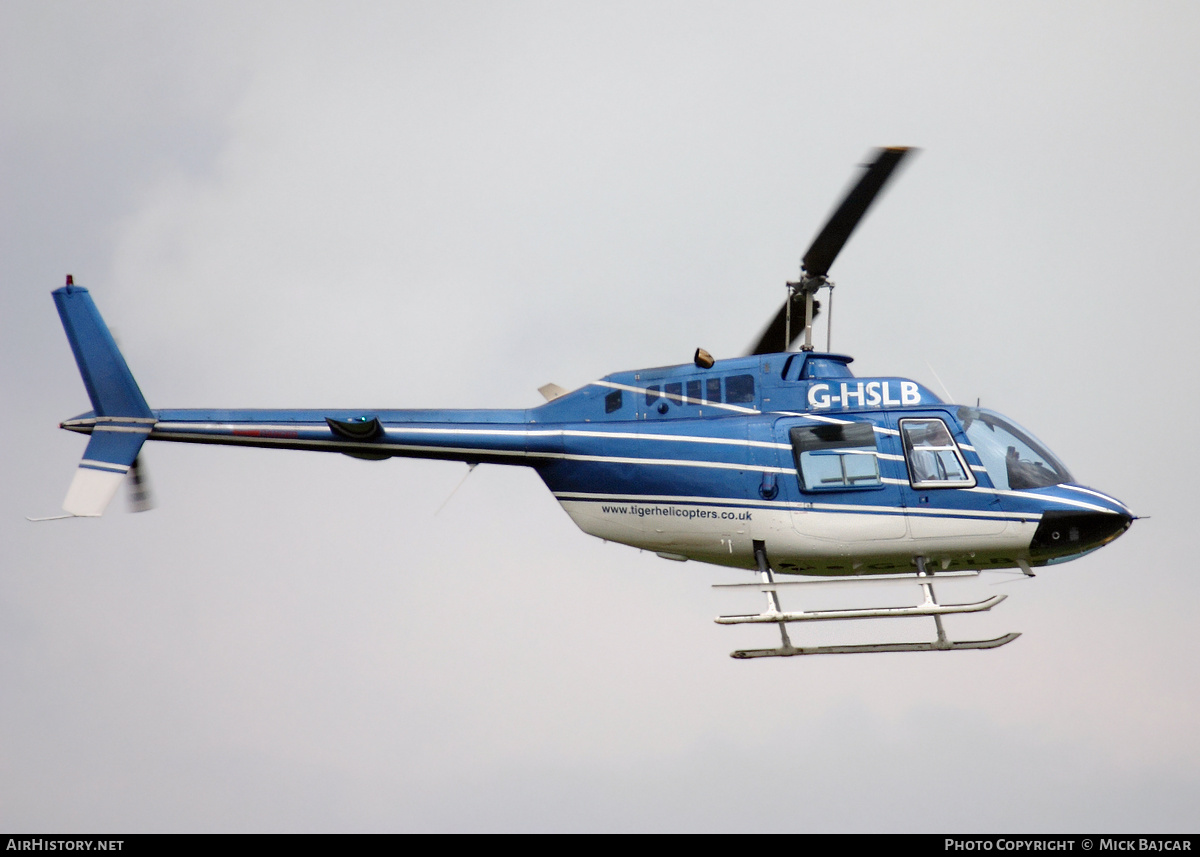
[451, 204]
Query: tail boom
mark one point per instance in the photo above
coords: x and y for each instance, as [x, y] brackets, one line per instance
[491, 436]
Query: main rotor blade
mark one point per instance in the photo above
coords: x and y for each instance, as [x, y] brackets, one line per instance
[841, 223]
[771, 340]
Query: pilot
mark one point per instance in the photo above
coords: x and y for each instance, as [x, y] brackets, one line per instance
[925, 466]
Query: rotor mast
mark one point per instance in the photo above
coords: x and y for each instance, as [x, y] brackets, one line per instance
[806, 287]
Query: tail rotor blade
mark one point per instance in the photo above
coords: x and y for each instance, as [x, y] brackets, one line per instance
[141, 499]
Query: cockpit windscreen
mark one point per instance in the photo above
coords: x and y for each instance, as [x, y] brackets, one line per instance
[1014, 459]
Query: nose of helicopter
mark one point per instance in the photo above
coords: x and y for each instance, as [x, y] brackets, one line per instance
[1063, 534]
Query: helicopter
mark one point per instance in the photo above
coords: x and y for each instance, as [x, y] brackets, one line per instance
[781, 461]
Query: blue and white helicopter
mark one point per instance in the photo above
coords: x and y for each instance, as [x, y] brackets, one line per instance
[780, 461]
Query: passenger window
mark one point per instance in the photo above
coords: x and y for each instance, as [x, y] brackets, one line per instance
[934, 459]
[652, 395]
[836, 456]
[674, 392]
[612, 402]
[712, 392]
[739, 389]
[693, 392]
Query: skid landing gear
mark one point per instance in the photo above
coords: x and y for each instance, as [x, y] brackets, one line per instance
[929, 607]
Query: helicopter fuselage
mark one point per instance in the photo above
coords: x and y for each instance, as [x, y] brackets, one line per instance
[789, 452]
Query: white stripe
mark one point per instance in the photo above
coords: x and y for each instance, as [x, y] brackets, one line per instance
[1098, 494]
[667, 498]
[834, 421]
[1041, 497]
[236, 440]
[93, 420]
[401, 428]
[668, 462]
[615, 435]
[795, 506]
[977, 513]
[934, 513]
[472, 452]
[105, 465]
[394, 428]
[171, 426]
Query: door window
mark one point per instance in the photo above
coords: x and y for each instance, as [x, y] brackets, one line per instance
[934, 459]
[836, 456]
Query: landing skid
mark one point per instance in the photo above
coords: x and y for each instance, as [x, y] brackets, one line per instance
[934, 646]
[929, 607]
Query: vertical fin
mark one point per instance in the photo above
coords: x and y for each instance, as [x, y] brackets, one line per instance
[109, 382]
[122, 419]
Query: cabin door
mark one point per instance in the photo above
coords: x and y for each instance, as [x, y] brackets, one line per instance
[937, 486]
[844, 475]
